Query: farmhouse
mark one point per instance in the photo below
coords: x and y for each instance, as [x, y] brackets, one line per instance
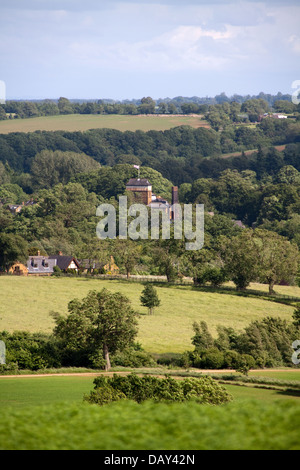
[44, 265]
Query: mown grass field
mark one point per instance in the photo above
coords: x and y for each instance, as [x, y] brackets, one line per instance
[83, 122]
[26, 303]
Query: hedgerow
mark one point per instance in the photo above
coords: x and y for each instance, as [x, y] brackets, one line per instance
[132, 387]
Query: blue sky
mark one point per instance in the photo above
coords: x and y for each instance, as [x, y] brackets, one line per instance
[160, 48]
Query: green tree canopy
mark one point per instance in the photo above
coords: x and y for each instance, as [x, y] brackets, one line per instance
[49, 168]
[278, 258]
[240, 255]
[12, 248]
[149, 298]
[102, 323]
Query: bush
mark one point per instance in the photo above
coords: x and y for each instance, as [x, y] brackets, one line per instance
[30, 350]
[213, 358]
[139, 389]
[103, 395]
[131, 357]
[57, 271]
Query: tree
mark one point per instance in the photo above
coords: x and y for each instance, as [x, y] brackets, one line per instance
[128, 253]
[65, 106]
[296, 316]
[278, 258]
[102, 322]
[12, 248]
[149, 298]
[147, 106]
[202, 338]
[241, 255]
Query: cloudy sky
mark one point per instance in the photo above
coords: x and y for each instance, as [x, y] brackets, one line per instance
[124, 49]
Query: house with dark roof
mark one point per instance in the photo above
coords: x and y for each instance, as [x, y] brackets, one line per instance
[65, 262]
[44, 265]
[40, 265]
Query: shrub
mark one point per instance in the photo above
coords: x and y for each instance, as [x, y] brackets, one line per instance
[131, 357]
[30, 350]
[57, 271]
[139, 389]
[212, 359]
[103, 395]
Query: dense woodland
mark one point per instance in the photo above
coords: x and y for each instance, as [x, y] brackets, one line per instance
[66, 175]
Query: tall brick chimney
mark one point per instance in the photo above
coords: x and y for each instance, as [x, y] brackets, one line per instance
[175, 200]
[175, 195]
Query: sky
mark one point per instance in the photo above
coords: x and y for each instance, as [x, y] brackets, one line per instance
[128, 49]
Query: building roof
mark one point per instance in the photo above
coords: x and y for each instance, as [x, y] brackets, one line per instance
[63, 262]
[40, 265]
[138, 182]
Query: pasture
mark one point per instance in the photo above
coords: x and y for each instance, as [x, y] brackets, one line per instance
[26, 303]
[84, 122]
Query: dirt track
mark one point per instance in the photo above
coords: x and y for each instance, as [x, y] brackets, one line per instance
[94, 374]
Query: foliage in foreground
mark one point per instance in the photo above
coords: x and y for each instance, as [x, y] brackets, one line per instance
[139, 389]
[152, 426]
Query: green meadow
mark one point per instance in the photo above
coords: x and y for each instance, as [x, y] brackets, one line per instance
[47, 412]
[26, 303]
[84, 122]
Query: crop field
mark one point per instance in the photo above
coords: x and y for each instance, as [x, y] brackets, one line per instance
[26, 303]
[83, 122]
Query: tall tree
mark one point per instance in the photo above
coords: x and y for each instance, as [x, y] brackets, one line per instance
[278, 258]
[127, 253]
[12, 248]
[102, 321]
[240, 255]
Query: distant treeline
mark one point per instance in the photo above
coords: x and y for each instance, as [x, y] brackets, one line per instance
[13, 109]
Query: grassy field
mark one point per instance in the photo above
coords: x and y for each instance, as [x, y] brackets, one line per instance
[48, 413]
[22, 392]
[83, 122]
[26, 303]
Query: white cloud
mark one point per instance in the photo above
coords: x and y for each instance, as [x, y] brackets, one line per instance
[68, 40]
[294, 40]
[185, 47]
